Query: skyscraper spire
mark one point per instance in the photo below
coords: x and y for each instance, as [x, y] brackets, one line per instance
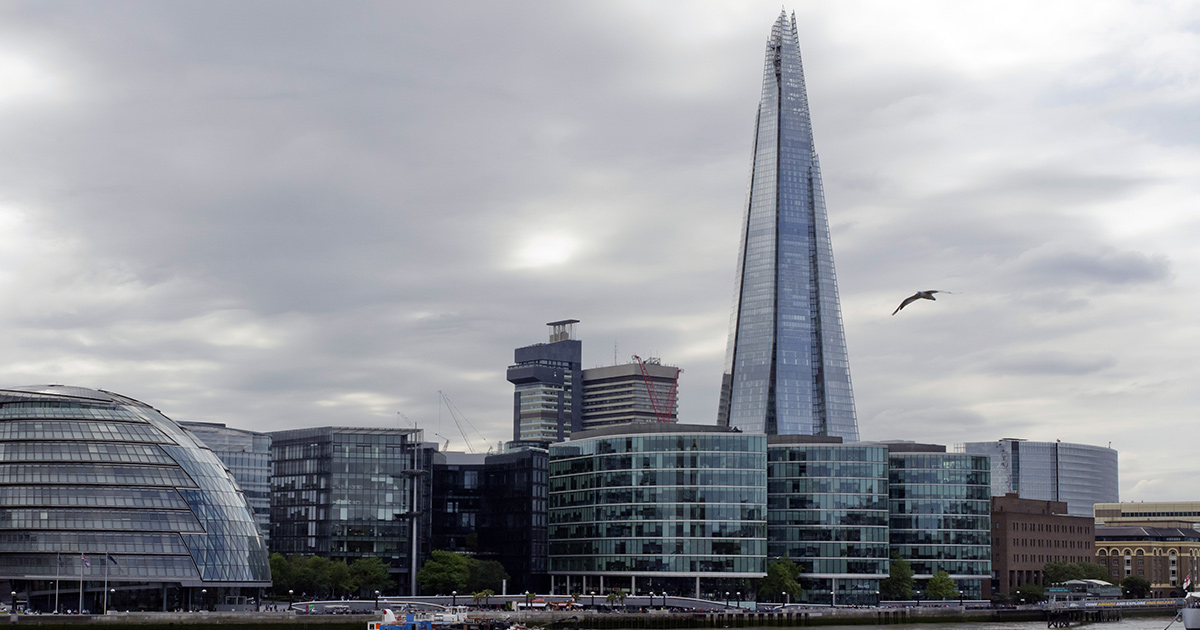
[786, 367]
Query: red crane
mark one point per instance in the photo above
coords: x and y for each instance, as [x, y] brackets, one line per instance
[661, 413]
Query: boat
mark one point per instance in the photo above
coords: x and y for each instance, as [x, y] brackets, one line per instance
[456, 616]
[1190, 613]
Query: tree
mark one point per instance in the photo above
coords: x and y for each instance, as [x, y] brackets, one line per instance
[445, 571]
[1135, 587]
[615, 597]
[781, 578]
[282, 577]
[370, 575]
[486, 595]
[486, 574]
[1029, 593]
[1058, 572]
[940, 586]
[898, 585]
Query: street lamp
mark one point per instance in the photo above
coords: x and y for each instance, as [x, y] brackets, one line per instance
[739, 594]
[783, 598]
[290, 593]
[14, 602]
[203, 597]
[727, 599]
[376, 600]
[453, 598]
[593, 600]
[112, 592]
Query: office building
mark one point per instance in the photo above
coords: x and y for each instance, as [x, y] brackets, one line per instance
[658, 507]
[1162, 555]
[110, 504]
[1078, 474]
[629, 393]
[548, 400]
[457, 501]
[247, 454]
[346, 493]
[827, 510]
[787, 370]
[1028, 533]
[512, 525]
[940, 514]
[1185, 514]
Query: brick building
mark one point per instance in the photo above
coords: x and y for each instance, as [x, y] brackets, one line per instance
[1028, 533]
[1163, 555]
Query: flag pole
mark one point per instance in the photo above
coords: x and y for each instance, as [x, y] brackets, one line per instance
[57, 573]
[81, 557]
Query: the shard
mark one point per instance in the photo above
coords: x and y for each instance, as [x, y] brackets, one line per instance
[786, 368]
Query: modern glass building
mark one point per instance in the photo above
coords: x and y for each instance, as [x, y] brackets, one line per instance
[548, 397]
[1078, 474]
[512, 527]
[787, 371]
[457, 501]
[659, 508]
[940, 515]
[827, 511]
[346, 493]
[247, 454]
[104, 501]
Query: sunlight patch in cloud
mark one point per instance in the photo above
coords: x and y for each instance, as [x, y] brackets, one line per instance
[548, 249]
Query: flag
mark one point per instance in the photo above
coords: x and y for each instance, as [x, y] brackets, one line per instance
[110, 558]
[1187, 581]
[85, 560]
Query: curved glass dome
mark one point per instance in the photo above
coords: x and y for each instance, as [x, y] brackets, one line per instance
[97, 486]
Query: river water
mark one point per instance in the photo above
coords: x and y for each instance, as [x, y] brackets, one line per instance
[1136, 623]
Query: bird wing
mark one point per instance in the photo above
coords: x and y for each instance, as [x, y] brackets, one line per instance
[906, 302]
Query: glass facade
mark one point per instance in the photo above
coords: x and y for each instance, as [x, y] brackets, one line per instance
[940, 516]
[347, 493]
[787, 369]
[513, 521]
[658, 502]
[95, 475]
[1078, 474]
[247, 454]
[457, 501]
[827, 510]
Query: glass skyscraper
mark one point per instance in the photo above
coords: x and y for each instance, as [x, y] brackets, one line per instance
[787, 370]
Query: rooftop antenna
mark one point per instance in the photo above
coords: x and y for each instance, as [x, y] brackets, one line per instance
[614, 352]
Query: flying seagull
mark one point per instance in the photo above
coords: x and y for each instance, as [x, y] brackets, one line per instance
[919, 295]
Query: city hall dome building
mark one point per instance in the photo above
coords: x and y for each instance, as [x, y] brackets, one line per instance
[107, 503]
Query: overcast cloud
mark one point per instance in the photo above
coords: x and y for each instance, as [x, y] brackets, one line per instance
[288, 214]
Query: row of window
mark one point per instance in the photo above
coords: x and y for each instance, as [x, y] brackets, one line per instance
[707, 567]
[717, 442]
[659, 512]
[834, 454]
[668, 529]
[686, 477]
[659, 546]
[94, 474]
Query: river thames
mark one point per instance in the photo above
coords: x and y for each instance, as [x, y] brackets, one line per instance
[1138, 623]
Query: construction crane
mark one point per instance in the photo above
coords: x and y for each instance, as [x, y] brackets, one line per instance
[455, 414]
[661, 412]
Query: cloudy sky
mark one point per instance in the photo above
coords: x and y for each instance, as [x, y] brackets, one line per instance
[287, 214]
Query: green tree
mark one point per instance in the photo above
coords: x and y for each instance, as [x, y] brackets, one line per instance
[616, 597]
[898, 585]
[1135, 587]
[486, 574]
[782, 575]
[445, 571]
[370, 575]
[1058, 572]
[485, 596]
[1029, 593]
[282, 577]
[940, 586]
